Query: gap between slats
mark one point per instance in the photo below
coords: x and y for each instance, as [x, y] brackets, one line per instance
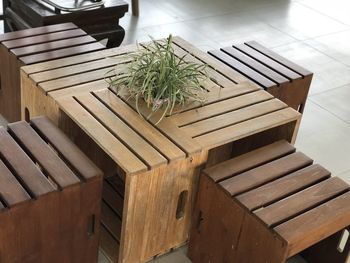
[200, 59]
[31, 40]
[244, 51]
[209, 116]
[49, 86]
[36, 31]
[155, 126]
[59, 44]
[131, 127]
[308, 208]
[50, 178]
[60, 73]
[59, 154]
[256, 68]
[290, 193]
[274, 59]
[114, 134]
[77, 60]
[19, 179]
[241, 121]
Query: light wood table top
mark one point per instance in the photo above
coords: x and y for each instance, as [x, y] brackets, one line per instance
[235, 108]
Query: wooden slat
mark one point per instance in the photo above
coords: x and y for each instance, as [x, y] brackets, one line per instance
[233, 117]
[79, 89]
[80, 78]
[212, 73]
[268, 62]
[109, 245]
[33, 49]
[316, 224]
[11, 191]
[249, 160]
[283, 187]
[111, 221]
[68, 150]
[243, 69]
[221, 107]
[112, 198]
[65, 52]
[43, 154]
[265, 173]
[36, 31]
[256, 65]
[302, 201]
[217, 65]
[217, 95]
[23, 166]
[43, 38]
[78, 59]
[244, 129]
[79, 68]
[127, 135]
[149, 132]
[113, 147]
[117, 183]
[278, 58]
[168, 128]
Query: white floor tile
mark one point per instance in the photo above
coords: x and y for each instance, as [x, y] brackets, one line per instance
[335, 101]
[328, 72]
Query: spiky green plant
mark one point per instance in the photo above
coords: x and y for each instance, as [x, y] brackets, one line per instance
[161, 79]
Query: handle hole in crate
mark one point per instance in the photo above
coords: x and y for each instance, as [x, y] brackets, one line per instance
[91, 225]
[181, 204]
[26, 115]
[343, 240]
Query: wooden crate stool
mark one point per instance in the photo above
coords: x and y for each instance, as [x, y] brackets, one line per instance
[267, 206]
[32, 46]
[277, 75]
[50, 196]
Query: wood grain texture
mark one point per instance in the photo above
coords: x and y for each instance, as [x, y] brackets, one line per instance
[56, 226]
[157, 164]
[32, 46]
[46, 157]
[316, 224]
[249, 160]
[101, 23]
[285, 186]
[282, 78]
[279, 211]
[61, 143]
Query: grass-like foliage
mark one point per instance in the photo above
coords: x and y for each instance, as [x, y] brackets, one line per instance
[161, 79]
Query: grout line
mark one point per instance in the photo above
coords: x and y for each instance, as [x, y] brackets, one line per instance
[336, 116]
[322, 13]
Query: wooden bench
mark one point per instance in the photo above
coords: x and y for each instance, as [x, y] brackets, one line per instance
[267, 206]
[282, 78]
[101, 22]
[50, 196]
[32, 46]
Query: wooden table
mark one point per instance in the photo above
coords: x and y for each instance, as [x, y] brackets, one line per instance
[158, 165]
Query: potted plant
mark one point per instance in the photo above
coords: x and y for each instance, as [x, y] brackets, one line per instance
[161, 79]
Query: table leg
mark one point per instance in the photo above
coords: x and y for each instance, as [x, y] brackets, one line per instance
[135, 7]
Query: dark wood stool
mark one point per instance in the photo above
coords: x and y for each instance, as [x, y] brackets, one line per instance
[282, 78]
[267, 206]
[100, 23]
[32, 46]
[50, 196]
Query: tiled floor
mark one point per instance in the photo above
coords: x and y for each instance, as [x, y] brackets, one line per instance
[313, 33]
